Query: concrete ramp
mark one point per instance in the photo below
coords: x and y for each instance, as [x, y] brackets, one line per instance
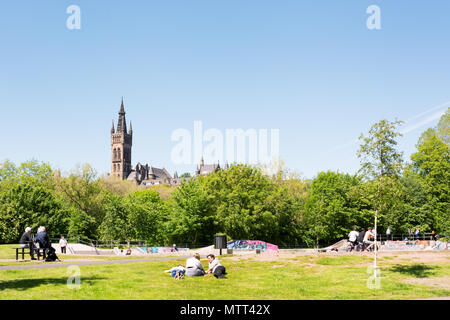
[415, 245]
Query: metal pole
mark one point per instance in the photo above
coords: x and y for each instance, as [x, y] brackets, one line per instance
[376, 233]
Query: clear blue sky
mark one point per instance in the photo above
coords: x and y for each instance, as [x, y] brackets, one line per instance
[311, 69]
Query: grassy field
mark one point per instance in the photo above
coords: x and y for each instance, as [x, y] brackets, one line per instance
[291, 277]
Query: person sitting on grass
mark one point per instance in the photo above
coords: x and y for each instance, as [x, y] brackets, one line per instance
[215, 267]
[27, 242]
[194, 267]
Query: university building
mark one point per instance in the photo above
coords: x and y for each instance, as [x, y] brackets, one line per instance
[121, 143]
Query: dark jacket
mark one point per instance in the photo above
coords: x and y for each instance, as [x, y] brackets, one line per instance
[43, 240]
[361, 236]
[26, 238]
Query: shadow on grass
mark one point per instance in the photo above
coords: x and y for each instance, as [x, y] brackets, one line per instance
[24, 284]
[416, 270]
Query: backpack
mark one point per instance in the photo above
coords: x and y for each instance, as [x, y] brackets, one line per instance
[51, 256]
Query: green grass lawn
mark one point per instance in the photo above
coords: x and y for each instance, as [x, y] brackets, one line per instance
[7, 252]
[302, 277]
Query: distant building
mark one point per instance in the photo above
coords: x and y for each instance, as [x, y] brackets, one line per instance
[206, 169]
[145, 175]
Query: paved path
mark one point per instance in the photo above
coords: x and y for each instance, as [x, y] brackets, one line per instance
[47, 265]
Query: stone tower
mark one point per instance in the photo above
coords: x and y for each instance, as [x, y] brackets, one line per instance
[121, 142]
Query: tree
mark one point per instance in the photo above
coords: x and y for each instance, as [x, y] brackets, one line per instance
[250, 205]
[378, 154]
[191, 217]
[27, 200]
[83, 191]
[115, 225]
[24, 204]
[330, 213]
[432, 165]
[443, 127]
[381, 162]
[147, 217]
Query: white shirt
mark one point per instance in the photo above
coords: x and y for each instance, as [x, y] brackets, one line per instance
[194, 263]
[214, 264]
[353, 235]
[62, 242]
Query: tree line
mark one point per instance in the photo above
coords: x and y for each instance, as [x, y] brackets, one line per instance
[244, 202]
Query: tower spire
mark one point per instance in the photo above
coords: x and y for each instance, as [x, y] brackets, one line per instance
[122, 109]
[122, 124]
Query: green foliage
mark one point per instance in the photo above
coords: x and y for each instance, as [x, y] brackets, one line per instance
[191, 217]
[147, 217]
[443, 127]
[115, 225]
[378, 155]
[83, 192]
[27, 200]
[330, 212]
[431, 164]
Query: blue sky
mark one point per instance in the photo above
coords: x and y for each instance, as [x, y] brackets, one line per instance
[311, 69]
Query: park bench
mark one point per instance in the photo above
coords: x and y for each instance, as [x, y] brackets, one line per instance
[40, 252]
[22, 253]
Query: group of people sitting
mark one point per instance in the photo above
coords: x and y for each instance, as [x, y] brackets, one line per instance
[194, 268]
[41, 240]
[362, 241]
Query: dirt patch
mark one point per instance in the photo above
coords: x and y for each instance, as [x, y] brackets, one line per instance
[438, 282]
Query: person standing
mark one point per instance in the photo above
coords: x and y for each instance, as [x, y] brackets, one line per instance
[62, 244]
[388, 234]
[27, 242]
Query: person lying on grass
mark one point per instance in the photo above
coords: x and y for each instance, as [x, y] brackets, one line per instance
[177, 272]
